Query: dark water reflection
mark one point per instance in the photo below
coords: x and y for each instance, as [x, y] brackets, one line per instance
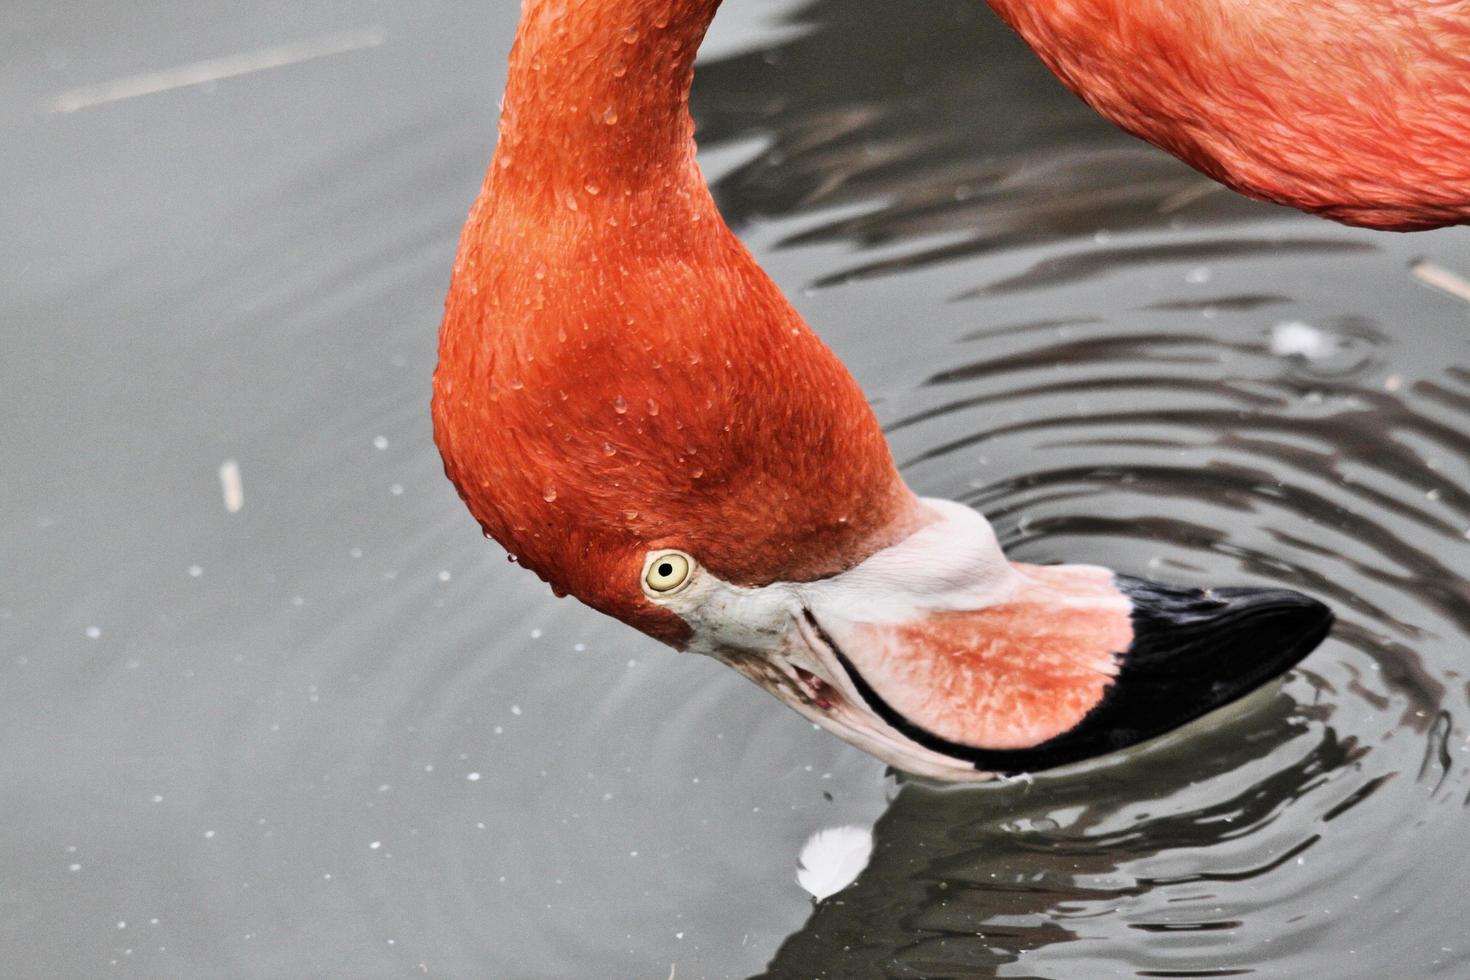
[335, 734]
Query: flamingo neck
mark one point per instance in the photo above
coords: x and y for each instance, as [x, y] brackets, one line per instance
[617, 374]
[597, 99]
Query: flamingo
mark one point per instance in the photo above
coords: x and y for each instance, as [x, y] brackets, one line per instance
[1357, 110]
[629, 405]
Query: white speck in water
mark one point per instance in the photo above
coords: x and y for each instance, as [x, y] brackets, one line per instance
[1199, 275]
[94, 632]
[1298, 338]
[579, 647]
[396, 489]
[122, 925]
[355, 553]
[832, 859]
[232, 486]
[536, 634]
[515, 709]
[473, 777]
[157, 797]
[209, 835]
[73, 868]
[380, 442]
[499, 730]
[195, 571]
[1393, 383]
[375, 845]
[445, 575]
[678, 935]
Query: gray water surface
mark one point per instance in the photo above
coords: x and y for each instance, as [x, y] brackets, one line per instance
[334, 733]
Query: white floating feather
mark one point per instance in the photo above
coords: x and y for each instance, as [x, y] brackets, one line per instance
[1294, 337]
[832, 859]
[232, 486]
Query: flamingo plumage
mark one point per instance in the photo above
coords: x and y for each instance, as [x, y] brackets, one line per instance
[631, 407]
[1357, 110]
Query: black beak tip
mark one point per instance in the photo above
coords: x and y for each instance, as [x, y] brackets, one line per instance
[1276, 627]
[1311, 621]
[1239, 638]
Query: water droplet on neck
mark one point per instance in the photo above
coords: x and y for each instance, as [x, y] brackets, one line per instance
[630, 36]
[608, 449]
[548, 494]
[592, 189]
[610, 116]
[652, 407]
[517, 384]
[620, 405]
[630, 515]
[620, 71]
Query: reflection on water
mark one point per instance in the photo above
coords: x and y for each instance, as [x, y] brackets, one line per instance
[335, 733]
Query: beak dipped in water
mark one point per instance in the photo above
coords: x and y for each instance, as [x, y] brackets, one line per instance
[945, 660]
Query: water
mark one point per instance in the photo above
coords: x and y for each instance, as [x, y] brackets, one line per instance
[335, 733]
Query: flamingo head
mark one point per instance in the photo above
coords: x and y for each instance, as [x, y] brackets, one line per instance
[743, 504]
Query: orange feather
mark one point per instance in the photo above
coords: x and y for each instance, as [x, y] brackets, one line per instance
[1356, 110]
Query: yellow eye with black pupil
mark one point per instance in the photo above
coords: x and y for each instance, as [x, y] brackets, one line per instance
[668, 571]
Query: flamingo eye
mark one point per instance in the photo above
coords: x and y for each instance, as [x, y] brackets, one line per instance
[668, 571]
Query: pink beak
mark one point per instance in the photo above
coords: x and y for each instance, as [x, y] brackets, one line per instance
[945, 660]
[1057, 686]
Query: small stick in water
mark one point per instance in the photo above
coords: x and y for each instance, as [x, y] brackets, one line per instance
[1433, 274]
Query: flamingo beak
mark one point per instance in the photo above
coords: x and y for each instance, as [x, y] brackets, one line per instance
[946, 661]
